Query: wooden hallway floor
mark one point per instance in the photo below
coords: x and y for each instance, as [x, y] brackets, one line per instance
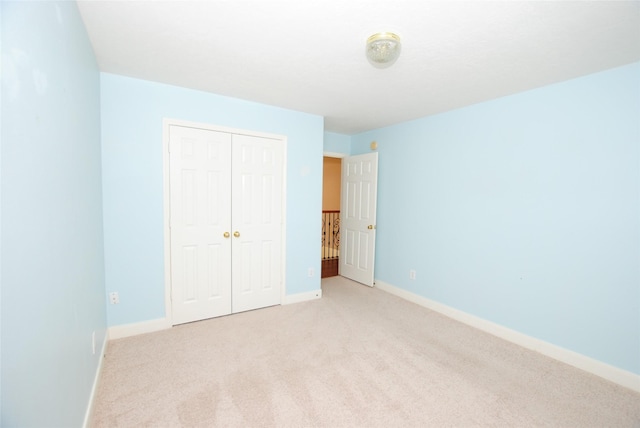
[329, 268]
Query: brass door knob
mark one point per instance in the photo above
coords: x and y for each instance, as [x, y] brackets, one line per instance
[236, 234]
[371, 226]
[226, 234]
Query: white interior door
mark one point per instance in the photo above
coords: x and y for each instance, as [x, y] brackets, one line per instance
[200, 216]
[257, 222]
[358, 217]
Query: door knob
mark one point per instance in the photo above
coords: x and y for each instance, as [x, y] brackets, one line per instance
[226, 234]
[236, 234]
[371, 226]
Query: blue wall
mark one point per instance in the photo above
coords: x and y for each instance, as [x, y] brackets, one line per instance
[337, 143]
[132, 114]
[523, 211]
[52, 246]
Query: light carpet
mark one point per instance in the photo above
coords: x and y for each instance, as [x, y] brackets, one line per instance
[358, 357]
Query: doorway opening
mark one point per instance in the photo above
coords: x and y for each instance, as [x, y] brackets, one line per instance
[330, 239]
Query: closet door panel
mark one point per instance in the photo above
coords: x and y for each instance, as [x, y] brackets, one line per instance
[200, 192]
[257, 211]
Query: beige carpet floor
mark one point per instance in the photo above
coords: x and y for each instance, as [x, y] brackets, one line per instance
[358, 357]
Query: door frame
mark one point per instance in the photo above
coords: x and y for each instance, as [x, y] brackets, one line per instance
[166, 196]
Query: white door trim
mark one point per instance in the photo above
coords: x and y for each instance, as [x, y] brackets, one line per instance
[334, 155]
[166, 123]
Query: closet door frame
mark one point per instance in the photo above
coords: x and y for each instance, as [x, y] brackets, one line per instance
[166, 123]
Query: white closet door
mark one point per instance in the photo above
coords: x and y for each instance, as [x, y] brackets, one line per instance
[200, 191]
[257, 222]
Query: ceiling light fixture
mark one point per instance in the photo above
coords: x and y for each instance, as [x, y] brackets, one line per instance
[383, 49]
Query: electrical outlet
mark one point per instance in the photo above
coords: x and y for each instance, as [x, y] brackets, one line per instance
[114, 298]
[412, 274]
[310, 272]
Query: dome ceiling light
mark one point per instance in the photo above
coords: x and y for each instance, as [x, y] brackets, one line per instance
[383, 49]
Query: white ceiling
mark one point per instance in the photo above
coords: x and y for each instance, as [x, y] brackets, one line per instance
[309, 55]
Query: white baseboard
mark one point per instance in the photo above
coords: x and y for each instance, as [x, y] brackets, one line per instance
[598, 368]
[126, 330]
[302, 297]
[96, 381]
